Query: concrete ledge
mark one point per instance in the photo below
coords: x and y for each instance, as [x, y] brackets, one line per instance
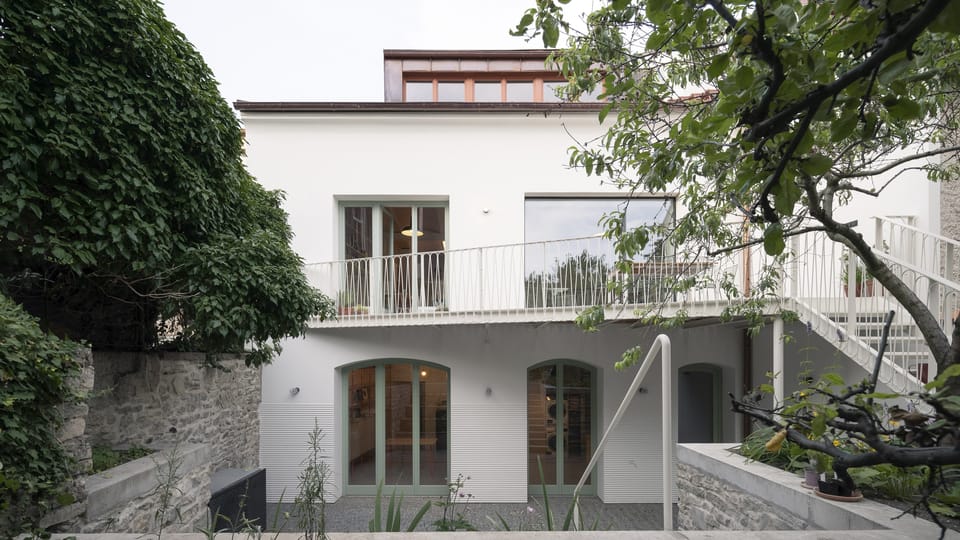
[783, 489]
[111, 488]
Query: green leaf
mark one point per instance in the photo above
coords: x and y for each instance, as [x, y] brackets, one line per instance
[816, 164]
[718, 65]
[773, 242]
[551, 33]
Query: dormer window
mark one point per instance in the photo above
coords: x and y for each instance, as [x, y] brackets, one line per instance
[472, 77]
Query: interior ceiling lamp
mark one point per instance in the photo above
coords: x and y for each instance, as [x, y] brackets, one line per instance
[408, 232]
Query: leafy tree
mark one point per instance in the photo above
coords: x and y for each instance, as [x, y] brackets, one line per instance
[128, 218]
[777, 112]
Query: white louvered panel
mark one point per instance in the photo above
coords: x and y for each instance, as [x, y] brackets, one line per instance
[489, 444]
[284, 428]
[631, 467]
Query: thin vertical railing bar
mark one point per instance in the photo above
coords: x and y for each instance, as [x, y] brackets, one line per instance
[661, 344]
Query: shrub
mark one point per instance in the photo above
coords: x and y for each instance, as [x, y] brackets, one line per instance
[35, 373]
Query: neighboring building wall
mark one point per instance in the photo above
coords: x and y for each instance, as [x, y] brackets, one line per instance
[482, 426]
[950, 209]
[139, 398]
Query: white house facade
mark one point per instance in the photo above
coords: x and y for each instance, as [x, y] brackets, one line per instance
[460, 248]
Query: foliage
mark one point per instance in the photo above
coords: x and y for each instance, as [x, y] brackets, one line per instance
[394, 513]
[867, 435]
[105, 457]
[454, 505]
[765, 116]
[128, 218]
[169, 475]
[788, 456]
[35, 373]
[891, 482]
[311, 500]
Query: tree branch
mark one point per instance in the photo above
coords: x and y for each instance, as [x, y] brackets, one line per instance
[898, 162]
[756, 241]
[724, 13]
[889, 46]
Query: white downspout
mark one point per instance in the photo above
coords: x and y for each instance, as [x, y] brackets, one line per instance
[777, 362]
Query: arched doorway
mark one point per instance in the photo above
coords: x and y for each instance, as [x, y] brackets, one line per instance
[561, 414]
[699, 404]
[397, 427]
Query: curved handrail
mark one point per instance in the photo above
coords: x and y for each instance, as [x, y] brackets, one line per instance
[661, 344]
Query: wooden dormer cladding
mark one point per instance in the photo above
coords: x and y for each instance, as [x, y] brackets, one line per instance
[476, 75]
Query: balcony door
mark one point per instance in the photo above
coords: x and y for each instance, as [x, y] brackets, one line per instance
[394, 257]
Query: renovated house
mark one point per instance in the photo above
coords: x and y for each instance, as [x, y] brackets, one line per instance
[460, 248]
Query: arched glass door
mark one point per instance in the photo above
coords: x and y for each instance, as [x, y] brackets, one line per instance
[397, 427]
[560, 424]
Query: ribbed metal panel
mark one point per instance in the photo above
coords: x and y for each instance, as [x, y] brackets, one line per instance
[489, 444]
[284, 428]
[631, 462]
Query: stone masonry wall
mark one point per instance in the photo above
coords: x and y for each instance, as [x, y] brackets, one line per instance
[155, 399]
[73, 439]
[708, 503]
[184, 481]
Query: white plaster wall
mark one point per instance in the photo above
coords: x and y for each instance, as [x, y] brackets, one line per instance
[488, 433]
[475, 161]
[909, 194]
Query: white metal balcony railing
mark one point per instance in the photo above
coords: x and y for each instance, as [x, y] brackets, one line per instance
[551, 280]
[555, 280]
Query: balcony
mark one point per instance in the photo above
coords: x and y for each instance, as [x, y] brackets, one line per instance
[542, 281]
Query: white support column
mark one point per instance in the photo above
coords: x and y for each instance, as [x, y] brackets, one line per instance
[777, 362]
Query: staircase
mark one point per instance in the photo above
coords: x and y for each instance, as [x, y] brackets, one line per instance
[821, 276]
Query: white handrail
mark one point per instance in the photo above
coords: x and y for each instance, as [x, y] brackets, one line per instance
[662, 345]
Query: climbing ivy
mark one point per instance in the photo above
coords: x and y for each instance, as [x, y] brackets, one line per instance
[35, 370]
[121, 179]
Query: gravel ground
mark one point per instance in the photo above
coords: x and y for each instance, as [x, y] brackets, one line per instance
[353, 514]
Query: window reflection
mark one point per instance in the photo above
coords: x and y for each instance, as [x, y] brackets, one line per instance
[568, 262]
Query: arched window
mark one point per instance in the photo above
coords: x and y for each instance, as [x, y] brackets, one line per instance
[561, 413]
[397, 426]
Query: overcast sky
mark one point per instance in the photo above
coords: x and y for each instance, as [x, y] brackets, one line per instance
[324, 50]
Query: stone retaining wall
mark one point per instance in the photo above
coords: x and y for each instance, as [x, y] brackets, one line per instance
[128, 498]
[153, 400]
[708, 503]
[722, 490]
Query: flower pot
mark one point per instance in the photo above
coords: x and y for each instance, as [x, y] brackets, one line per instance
[833, 487]
[862, 289]
[811, 478]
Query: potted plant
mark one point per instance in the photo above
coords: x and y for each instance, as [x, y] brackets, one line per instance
[345, 305]
[863, 281]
